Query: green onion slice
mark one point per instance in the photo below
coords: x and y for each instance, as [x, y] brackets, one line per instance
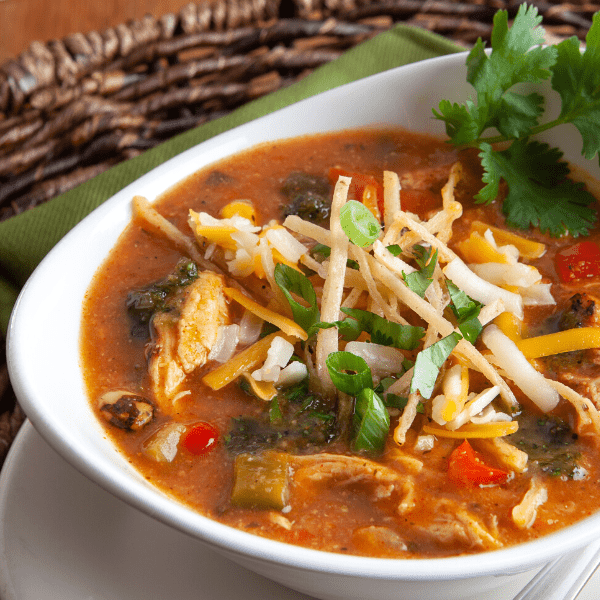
[359, 224]
[349, 373]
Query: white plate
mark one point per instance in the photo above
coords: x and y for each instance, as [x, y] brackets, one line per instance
[61, 536]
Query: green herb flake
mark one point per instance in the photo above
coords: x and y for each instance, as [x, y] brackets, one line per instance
[384, 332]
[291, 282]
[419, 281]
[466, 310]
[429, 362]
[371, 422]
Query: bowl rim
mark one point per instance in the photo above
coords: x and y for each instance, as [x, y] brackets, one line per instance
[154, 503]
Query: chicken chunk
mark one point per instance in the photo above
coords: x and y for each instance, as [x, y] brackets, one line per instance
[583, 311]
[580, 370]
[183, 337]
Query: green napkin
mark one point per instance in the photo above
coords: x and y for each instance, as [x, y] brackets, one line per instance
[26, 238]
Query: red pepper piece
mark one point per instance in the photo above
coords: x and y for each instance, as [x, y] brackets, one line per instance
[358, 185]
[581, 261]
[465, 467]
[201, 439]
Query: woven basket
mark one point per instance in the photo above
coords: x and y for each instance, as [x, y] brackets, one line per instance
[72, 108]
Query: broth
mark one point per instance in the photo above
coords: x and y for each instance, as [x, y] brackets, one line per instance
[336, 500]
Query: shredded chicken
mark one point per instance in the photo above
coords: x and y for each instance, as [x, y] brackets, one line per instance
[379, 540]
[348, 470]
[525, 513]
[452, 524]
[183, 337]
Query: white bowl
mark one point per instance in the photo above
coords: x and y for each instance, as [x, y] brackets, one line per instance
[43, 358]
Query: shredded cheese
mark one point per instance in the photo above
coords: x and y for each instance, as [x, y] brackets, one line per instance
[527, 248]
[570, 340]
[284, 323]
[247, 359]
[471, 430]
[265, 390]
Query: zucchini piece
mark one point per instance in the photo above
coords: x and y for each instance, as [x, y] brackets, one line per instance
[261, 481]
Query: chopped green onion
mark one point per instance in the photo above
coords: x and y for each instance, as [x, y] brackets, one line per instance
[353, 382]
[371, 422]
[359, 224]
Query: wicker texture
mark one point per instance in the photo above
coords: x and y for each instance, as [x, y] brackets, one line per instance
[72, 108]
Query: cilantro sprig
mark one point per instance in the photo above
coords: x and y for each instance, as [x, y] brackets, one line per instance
[539, 193]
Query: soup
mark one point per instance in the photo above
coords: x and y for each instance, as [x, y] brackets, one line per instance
[325, 341]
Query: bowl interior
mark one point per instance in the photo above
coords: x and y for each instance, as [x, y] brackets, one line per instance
[43, 342]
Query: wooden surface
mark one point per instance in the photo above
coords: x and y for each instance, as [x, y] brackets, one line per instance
[25, 21]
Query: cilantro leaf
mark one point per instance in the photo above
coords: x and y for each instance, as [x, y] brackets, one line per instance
[349, 329]
[466, 310]
[400, 402]
[576, 77]
[429, 362]
[539, 194]
[371, 422]
[419, 281]
[517, 56]
[384, 332]
[394, 250]
[291, 282]
[325, 252]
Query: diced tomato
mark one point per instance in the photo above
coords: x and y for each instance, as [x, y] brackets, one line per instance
[419, 201]
[466, 467]
[201, 439]
[581, 261]
[358, 185]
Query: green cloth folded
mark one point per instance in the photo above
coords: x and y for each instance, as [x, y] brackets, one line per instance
[26, 238]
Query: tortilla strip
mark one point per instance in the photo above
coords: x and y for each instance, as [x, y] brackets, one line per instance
[374, 295]
[391, 196]
[382, 273]
[144, 210]
[406, 220]
[333, 289]
[507, 454]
